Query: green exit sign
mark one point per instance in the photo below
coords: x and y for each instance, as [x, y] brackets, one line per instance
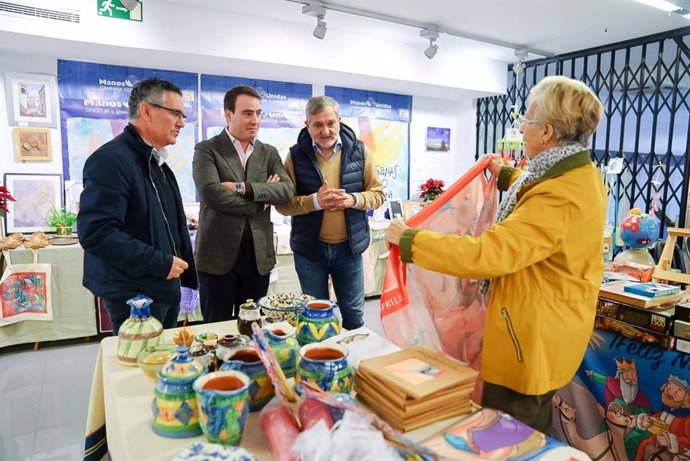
[116, 9]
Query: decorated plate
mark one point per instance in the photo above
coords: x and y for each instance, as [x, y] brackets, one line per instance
[201, 451]
[284, 301]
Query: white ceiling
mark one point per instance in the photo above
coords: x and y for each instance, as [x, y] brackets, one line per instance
[551, 26]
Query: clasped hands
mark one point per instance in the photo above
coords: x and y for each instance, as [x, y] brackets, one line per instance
[334, 199]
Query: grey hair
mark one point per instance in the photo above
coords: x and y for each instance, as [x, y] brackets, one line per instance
[318, 104]
[150, 90]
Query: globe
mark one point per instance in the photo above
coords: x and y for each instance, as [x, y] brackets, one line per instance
[639, 230]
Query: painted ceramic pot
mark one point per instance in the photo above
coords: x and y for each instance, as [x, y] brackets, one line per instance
[284, 346]
[318, 322]
[174, 406]
[205, 355]
[246, 360]
[138, 332]
[223, 403]
[325, 365]
[228, 343]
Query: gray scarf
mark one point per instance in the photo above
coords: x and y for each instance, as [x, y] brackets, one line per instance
[536, 169]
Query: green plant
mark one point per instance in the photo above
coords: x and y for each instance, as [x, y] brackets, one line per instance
[61, 218]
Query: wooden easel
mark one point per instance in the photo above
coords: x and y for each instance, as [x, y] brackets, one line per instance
[663, 273]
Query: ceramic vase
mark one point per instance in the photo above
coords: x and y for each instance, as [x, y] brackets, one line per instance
[138, 332]
[325, 365]
[318, 322]
[285, 348]
[174, 407]
[246, 360]
[223, 402]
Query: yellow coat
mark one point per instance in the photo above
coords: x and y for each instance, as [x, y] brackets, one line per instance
[545, 262]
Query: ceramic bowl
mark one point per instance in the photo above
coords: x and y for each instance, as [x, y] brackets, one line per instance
[152, 359]
[283, 307]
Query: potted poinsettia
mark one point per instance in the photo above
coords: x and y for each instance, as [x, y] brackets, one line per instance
[431, 189]
[5, 197]
[62, 220]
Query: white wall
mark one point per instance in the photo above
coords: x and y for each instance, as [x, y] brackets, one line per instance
[459, 116]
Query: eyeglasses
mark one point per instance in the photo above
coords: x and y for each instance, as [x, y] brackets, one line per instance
[524, 121]
[176, 113]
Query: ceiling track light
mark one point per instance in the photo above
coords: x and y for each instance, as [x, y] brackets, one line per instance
[319, 12]
[432, 36]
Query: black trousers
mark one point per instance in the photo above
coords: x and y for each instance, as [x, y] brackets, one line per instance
[533, 410]
[221, 295]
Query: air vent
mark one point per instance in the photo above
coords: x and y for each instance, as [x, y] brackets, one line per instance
[42, 13]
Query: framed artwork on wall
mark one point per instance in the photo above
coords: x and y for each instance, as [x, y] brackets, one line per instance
[35, 195]
[32, 144]
[32, 99]
[438, 139]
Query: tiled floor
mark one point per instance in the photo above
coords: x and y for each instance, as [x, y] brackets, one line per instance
[44, 396]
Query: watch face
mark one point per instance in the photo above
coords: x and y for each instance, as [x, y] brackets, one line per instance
[238, 187]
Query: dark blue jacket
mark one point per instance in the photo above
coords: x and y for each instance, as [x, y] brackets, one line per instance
[128, 247]
[304, 234]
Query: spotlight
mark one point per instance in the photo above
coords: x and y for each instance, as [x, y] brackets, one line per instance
[319, 12]
[320, 29]
[432, 36]
[431, 50]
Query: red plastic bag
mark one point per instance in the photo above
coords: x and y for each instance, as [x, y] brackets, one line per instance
[442, 312]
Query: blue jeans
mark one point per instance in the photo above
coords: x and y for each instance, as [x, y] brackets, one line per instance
[347, 273]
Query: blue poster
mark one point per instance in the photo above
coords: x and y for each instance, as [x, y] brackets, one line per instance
[381, 121]
[282, 106]
[94, 109]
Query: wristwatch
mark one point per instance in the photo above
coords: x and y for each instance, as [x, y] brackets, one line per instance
[239, 188]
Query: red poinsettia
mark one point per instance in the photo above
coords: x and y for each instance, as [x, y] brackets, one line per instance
[4, 198]
[431, 189]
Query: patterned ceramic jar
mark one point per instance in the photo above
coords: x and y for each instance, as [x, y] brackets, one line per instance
[284, 346]
[318, 322]
[246, 360]
[223, 399]
[228, 343]
[138, 332]
[325, 365]
[174, 405]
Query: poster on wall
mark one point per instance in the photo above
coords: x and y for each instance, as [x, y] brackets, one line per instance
[381, 121]
[282, 108]
[94, 109]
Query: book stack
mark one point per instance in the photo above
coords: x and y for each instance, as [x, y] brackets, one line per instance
[415, 387]
[643, 295]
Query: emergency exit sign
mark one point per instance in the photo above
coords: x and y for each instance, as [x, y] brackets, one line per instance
[115, 9]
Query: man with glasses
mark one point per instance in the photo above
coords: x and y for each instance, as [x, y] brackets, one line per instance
[131, 221]
[238, 177]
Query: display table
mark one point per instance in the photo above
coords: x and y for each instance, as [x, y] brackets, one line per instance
[121, 400]
[74, 314]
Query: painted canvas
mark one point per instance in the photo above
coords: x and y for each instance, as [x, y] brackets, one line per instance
[438, 139]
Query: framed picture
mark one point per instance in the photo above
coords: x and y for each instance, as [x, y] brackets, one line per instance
[438, 139]
[32, 99]
[35, 195]
[32, 144]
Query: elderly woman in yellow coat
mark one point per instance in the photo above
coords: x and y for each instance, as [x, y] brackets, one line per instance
[543, 255]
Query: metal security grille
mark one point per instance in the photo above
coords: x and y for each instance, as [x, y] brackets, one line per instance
[644, 85]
